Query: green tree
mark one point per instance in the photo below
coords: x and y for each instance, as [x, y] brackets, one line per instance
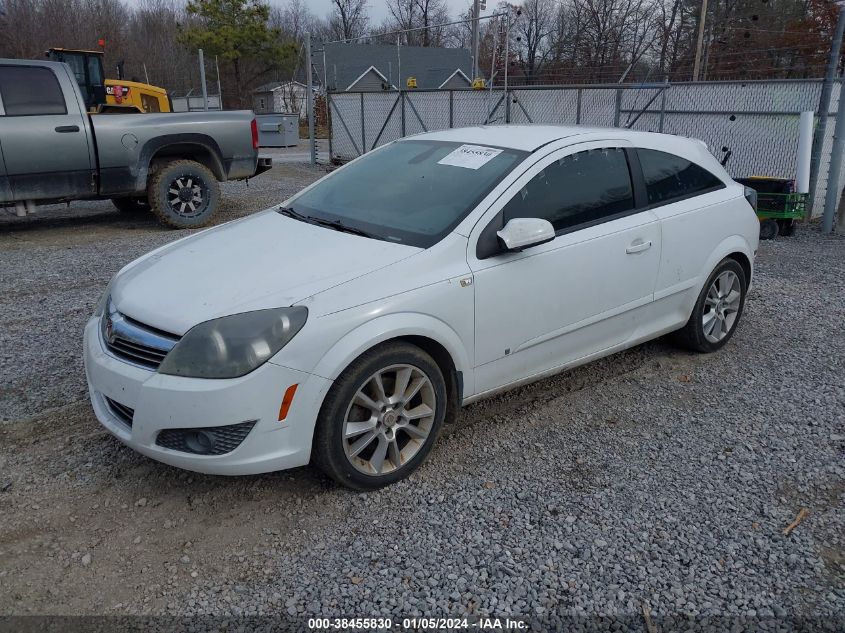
[237, 31]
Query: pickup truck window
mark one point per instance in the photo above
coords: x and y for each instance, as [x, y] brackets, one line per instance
[30, 90]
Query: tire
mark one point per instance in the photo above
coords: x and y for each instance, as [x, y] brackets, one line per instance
[698, 335]
[786, 228]
[197, 187]
[376, 425]
[131, 205]
[768, 229]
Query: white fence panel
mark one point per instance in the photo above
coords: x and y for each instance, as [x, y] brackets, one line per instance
[757, 121]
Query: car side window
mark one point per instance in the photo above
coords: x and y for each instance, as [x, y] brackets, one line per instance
[580, 188]
[669, 177]
[30, 90]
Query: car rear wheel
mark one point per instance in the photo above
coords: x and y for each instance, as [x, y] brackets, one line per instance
[131, 205]
[718, 310]
[184, 194]
[381, 417]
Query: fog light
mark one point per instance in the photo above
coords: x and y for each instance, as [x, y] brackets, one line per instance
[209, 440]
[201, 442]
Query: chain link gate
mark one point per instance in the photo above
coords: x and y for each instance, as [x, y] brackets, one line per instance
[362, 121]
[322, 130]
[756, 121]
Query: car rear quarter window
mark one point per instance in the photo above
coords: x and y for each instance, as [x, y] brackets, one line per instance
[30, 90]
[669, 178]
[586, 187]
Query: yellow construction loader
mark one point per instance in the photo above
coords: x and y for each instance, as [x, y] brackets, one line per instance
[109, 96]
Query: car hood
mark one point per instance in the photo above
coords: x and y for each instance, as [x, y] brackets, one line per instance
[264, 261]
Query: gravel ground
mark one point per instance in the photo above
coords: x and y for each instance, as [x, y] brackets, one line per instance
[654, 479]
[57, 262]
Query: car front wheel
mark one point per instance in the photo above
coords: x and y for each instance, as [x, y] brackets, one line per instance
[718, 310]
[381, 417]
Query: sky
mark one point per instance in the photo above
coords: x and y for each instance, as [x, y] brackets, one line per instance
[377, 9]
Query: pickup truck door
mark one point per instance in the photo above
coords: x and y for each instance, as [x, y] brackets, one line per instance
[47, 147]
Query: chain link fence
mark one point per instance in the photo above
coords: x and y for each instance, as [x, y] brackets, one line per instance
[756, 121]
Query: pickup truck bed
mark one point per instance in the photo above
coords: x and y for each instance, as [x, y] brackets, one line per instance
[52, 150]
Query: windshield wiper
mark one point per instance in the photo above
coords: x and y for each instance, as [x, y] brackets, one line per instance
[337, 225]
[296, 215]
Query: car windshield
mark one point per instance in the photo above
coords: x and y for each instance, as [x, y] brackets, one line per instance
[410, 192]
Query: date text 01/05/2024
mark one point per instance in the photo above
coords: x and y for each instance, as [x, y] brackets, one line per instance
[416, 624]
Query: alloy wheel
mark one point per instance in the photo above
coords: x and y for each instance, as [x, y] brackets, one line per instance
[389, 419]
[185, 196]
[721, 306]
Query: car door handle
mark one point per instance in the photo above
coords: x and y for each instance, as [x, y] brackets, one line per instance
[64, 129]
[638, 247]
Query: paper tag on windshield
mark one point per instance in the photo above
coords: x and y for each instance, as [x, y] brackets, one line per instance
[470, 156]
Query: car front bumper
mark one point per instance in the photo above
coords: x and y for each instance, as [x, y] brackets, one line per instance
[163, 402]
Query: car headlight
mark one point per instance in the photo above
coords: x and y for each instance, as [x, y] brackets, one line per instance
[104, 299]
[233, 346]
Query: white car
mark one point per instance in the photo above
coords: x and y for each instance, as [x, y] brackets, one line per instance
[346, 325]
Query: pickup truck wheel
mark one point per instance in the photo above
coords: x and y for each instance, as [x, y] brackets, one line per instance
[131, 205]
[184, 194]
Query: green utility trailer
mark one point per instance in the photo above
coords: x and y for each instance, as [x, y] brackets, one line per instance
[779, 206]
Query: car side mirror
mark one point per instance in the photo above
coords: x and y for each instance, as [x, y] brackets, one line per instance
[521, 233]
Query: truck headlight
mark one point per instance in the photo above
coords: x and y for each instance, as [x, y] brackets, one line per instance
[234, 345]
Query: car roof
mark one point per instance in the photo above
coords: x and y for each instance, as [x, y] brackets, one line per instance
[531, 137]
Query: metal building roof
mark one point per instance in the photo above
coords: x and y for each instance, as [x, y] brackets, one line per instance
[345, 63]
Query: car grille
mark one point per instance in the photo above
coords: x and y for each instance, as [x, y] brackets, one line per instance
[120, 411]
[226, 438]
[147, 356]
[133, 341]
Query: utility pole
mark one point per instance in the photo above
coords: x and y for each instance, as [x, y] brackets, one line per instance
[700, 46]
[824, 106]
[507, 60]
[833, 186]
[476, 14]
[309, 98]
[202, 81]
[219, 89]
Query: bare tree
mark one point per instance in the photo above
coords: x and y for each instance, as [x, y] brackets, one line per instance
[669, 27]
[295, 18]
[418, 19]
[534, 30]
[558, 40]
[154, 26]
[349, 19]
[402, 17]
[431, 13]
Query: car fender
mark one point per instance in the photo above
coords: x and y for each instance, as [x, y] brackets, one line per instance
[731, 244]
[369, 334]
